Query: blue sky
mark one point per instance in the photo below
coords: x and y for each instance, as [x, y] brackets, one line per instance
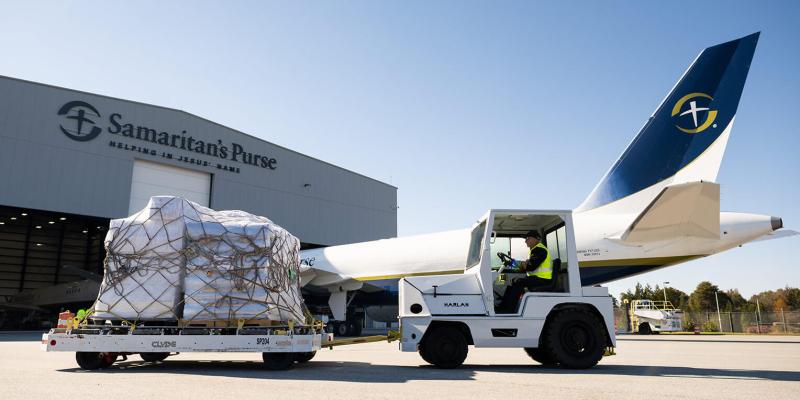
[448, 101]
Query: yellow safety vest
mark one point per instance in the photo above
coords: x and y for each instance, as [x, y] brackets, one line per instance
[545, 269]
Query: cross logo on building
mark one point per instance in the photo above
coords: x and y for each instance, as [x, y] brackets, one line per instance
[83, 129]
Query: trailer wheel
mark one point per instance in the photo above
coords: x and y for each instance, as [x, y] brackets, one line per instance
[278, 361]
[92, 360]
[444, 347]
[108, 359]
[644, 329]
[542, 356]
[154, 357]
[305, 357]
[576, 338]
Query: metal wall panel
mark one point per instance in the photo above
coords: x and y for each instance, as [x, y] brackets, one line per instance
[154, 179]
[44, 168]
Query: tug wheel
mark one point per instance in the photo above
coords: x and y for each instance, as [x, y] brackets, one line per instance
[424, 354]
[576, 338]
[542, 356]
[444, 347]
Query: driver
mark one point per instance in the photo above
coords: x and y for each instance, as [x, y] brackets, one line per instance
[538, 268]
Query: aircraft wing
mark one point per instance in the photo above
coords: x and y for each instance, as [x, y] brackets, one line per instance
[330, 280]
[11, 305]
[687, 209]
[344, 268]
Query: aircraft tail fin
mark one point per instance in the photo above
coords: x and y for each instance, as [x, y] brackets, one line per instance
[684, 140]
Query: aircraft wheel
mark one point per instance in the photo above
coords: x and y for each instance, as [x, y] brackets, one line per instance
[445, 347]
[576, 338]
[154, 357]
[357, 326]
[305, 357]
[278, 361]
[542, 356]
[341, 328]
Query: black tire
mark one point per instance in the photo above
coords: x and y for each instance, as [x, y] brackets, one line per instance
[91, 360]
[576, 338]
[444, 347]
[542, 356]
[108, 359]
[304, 357]
[278, 361]
[424, 354]
[644, 329]
[154, 357]
[341, 329]
[357, 327]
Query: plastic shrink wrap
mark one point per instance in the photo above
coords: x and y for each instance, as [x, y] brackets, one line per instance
[177, 260]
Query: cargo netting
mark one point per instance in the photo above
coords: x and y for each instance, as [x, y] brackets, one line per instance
[181, 262]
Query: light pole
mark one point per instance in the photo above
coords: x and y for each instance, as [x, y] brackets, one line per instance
[719, 317]
[665, 293]
[758, 315]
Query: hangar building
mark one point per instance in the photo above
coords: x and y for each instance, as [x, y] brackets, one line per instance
[71, 160]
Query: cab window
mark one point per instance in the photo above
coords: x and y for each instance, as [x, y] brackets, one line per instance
[475, 245]
[556, 242]
[513, 246]
[510, 230]
[500, 245]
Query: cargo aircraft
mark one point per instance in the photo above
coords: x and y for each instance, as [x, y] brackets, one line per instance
[32, 308]
[658, 205]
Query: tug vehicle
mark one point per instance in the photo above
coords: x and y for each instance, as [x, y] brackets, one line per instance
[562, 324]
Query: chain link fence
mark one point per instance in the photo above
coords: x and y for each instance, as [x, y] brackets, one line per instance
[779, 322]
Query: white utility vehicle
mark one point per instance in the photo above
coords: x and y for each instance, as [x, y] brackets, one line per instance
[564, 324]
[648, 316]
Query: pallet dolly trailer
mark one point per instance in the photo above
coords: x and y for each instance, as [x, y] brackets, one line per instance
[563, 324]
[99, 346]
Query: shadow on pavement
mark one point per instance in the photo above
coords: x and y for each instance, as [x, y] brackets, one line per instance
[376, 373]
[693, 340]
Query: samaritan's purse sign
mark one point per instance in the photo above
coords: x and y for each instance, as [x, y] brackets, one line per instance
[80, 125]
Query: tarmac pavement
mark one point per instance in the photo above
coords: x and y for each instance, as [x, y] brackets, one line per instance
[651, 367]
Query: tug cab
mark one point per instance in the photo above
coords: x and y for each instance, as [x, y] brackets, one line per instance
[566, 324]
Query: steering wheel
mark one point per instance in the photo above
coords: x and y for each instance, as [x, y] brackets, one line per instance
[504, 258]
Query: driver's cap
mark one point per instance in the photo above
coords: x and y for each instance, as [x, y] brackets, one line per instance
[533, 234]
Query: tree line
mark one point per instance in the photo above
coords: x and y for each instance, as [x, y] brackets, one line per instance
[702, 298]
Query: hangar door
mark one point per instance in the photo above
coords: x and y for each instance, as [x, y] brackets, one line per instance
[153, 179]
